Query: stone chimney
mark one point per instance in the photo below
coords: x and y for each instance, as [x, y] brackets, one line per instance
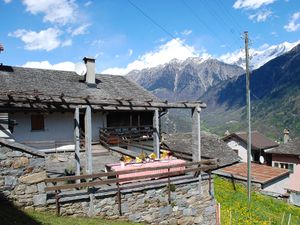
[286, 136]
[90, 77]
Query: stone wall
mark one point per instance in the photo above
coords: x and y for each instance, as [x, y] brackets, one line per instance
[151, 206]
[21, 176]
[21, 181]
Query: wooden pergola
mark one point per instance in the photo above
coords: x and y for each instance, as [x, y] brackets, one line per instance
[39, 102]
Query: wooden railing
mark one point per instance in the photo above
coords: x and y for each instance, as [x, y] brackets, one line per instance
[90, 182]
[116, 135]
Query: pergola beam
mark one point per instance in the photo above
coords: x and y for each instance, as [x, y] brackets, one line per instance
[77, 142]
[156, 135]
[196, 139]
[88, 140]
[71, 101]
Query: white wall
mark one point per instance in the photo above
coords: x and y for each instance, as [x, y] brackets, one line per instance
[240, 147]
[278, 187]
[295, 198]
[98, 121]
[58, 127]
[4, 131]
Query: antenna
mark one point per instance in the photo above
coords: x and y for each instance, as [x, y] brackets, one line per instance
[80, 68]
[261, 159]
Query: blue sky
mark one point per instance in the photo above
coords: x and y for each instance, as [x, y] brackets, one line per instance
[134, 34]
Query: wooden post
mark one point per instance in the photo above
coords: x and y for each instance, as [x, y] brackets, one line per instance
[57, 203]
[196, 139]
[88, 140]
[290, 217]
[209, 182]
[169, 187]
[156, 146]
[218, 214]
[119, 199]
[77, 143]
[282, 219]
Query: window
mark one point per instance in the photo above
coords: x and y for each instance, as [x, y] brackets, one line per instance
[289, 166]
[37, 122]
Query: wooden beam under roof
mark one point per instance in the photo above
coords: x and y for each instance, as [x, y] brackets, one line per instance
[17, 99]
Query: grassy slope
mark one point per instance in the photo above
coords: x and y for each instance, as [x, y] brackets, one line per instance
[263, 209]
[46, 218]
[269, 116]
[10, 215]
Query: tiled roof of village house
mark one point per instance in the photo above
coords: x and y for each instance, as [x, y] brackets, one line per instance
[211, 147]
[259, 173]
[259, 141]
[53, 85]
[290, 148]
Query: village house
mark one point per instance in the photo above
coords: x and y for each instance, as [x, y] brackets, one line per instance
[269, 180]
[91, 121]
[38, 106]
[259, 145]
[287, 155]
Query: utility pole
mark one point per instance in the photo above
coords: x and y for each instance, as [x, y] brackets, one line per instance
[249, 120]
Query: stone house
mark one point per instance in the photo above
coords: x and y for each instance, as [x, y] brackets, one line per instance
[59, 110]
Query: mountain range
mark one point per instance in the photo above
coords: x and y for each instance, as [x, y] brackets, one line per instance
[258, 57]
[274, 87]
[184, 80]
[275, 98]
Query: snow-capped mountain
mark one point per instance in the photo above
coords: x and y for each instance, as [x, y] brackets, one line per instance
[258, 57]
[184, 79]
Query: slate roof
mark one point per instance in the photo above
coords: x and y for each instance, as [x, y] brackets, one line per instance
[55, 82]
[211, 145]
[290, 148]
[259, 141]
[259, 173]
[22, 148]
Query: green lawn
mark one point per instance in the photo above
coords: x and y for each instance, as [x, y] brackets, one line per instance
[49, 219]
[10, 215]
[264, 210]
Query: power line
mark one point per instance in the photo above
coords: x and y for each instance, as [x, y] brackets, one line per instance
[214, 14]
[230, 16]
[159, 26]
[201, 21]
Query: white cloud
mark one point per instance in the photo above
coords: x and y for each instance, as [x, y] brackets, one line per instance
[43, 40]
[80, 30]
[175, 48]
[68, 66]
[66, 43]
[274, 33]
[59, 12]
[7, 1]
[264, 46]
[99, 54]
[130, 52]
[251, 4]
[88, 3]
[97, 42]
[294, 23]
[186, 32]
[261, 16]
